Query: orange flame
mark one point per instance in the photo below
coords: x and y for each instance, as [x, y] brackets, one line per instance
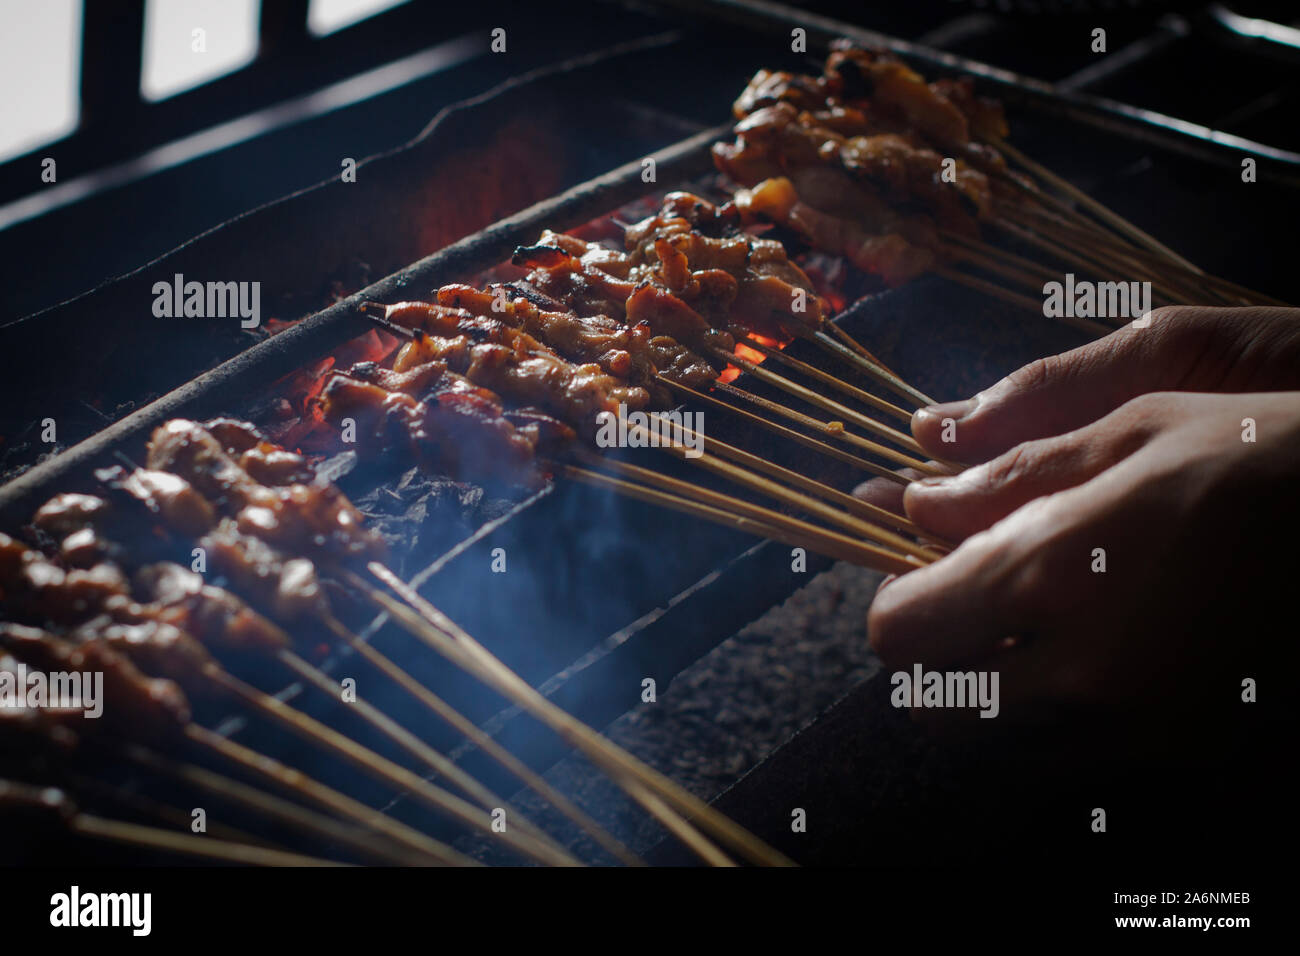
[731, 372]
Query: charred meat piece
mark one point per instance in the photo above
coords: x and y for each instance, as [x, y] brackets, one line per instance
[216, 617]
[887, 255]
[155, 709]
[734, 281]
[289, 589]
[316, 518]
[153, 647]
[456, 426]
[511, 363]
[632, 351]
[33, 588]
[265, 461]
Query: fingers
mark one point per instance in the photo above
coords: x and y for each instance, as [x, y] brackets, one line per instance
[959, 506]
[884, 493]
[1183, 348]
[960, 608]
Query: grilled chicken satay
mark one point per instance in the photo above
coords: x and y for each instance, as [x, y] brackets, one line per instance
[864, 92]
[32, 587]
[889, 255]
[744, 282]
[865, 149]
[631, 352]
[247, 526]
[315, 518]
[170, 596]
[143, 707]
[691, 273]
[438, 417]
[509, 361]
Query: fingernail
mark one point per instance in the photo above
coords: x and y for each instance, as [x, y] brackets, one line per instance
[954, 410]
[936, 481]
[889, 579]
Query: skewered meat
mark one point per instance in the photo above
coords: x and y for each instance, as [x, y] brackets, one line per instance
[631, 352]
[690, 273]
[317, 518]
[510, 362]
[216, 617]
[888, 255]
[289, 589]
[453, 422]
[152, 708]
[34, 588]
[735, 279]
[153, 647]
[265, 461]
[877, 157]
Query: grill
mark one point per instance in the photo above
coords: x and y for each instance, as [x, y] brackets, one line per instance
[601, 594]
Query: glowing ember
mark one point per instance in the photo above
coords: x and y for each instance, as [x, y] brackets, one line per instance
[731, 372]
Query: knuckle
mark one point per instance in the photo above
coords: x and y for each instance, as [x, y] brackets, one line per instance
[1009, 468]
[1170, 318]
[1143, 409]
[1037, 373]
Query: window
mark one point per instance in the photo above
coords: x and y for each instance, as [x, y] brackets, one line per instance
[40, 72]
[329, 16]
[189, 42]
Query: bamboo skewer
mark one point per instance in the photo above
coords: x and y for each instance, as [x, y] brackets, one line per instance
[868, 363]
[58, 807]
[712, 506]
[447, 637]
[886, 544]
[1080, 251]
[1102, 212]
[1025, 279]
[1015, 298]
[813, 372]
[1230, 292]
[188, 844]
[385, 770]
[843, 411]
[808, 442]
[837, 331]
[166, 814]
[847, 519]
[835, 430]
[466, 783]
[1175, 285]
[489, 671]
[996, 252]
[275, 808]
[296, 782]
[1097, 261]
[436, 761]
[1146, 248]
